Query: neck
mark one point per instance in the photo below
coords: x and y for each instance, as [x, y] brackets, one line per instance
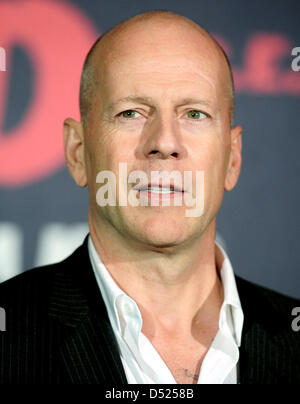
[172, 286]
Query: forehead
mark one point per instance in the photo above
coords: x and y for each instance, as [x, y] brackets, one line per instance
[163, 55]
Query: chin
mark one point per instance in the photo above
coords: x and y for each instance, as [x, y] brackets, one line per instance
[162, 230]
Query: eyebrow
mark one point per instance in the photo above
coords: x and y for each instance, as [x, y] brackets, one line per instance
[130, 98]
[150, 101]
[187, 101]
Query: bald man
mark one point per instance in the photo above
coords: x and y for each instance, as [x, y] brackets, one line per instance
[150, 297]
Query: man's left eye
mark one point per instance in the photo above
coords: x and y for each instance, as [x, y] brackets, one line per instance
[129, 114]
[196, 115]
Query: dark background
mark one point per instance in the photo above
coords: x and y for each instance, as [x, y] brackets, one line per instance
[43, 218]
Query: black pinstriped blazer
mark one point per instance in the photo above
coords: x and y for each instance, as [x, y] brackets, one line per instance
[57, 330]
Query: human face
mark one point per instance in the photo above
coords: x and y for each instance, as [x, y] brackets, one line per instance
[162, 104]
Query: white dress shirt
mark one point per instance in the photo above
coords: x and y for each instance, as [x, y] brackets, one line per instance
[141, 361]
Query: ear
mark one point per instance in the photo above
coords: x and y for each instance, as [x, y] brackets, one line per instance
[235, 159]
[74, 150]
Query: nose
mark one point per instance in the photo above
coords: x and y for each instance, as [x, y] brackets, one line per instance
[163, 139]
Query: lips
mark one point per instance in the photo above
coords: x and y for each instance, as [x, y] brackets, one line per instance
[158, 188]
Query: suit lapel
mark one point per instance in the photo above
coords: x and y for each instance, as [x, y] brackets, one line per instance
[90, 354]
[264, 352]
[257, 357]
[88, 349]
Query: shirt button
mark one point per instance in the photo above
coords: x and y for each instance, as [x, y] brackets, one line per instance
[129, 307]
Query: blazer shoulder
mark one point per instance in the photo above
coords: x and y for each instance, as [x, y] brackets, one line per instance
[27, 281]
[270, 310]
[270, 344]
[36, 283]
[261, 295]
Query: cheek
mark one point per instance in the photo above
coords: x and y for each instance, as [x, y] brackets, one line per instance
[105, 151]
[212, 158]
[208, 152]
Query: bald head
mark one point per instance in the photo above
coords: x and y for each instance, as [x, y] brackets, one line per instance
[105, 47]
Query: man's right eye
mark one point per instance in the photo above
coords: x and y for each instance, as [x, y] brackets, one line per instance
[129, 114]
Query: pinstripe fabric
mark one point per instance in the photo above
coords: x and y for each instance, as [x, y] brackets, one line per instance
[58, 332]
[270, 349]
[57, 327]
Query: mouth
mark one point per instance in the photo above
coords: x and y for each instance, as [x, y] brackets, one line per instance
[155, 195]
[159, 189]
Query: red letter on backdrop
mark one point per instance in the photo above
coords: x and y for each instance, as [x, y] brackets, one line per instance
[56, 36]
[262, 73]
